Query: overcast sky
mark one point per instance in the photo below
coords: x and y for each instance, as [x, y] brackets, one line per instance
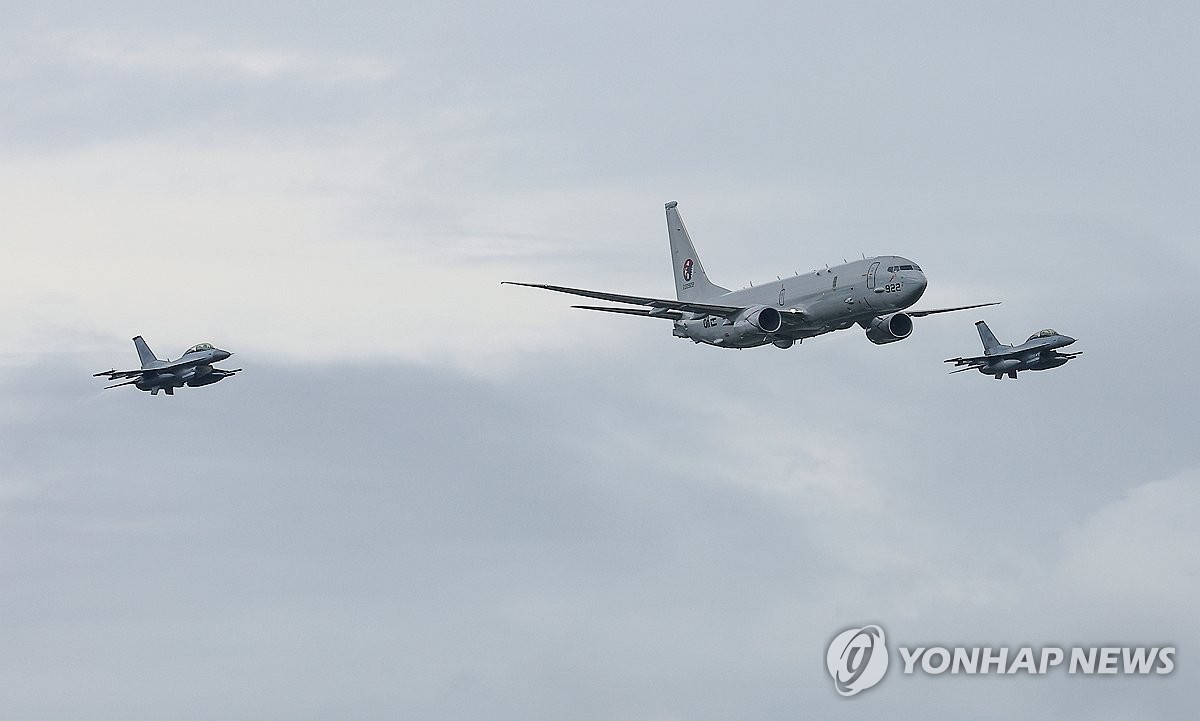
[430, 496]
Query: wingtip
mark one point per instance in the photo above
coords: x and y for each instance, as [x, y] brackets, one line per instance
[671, 204]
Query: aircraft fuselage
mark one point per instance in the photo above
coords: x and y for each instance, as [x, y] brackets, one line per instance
[814, 303]
[1034, 355]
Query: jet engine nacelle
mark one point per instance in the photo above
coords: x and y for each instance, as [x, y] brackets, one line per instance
[889, 328]
[751, 327]
[763, 318]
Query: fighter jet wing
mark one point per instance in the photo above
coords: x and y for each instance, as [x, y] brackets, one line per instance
[115, 374]
[659, 303]
[157, 366]
[923, 313]
[124, 383]
[974, 361]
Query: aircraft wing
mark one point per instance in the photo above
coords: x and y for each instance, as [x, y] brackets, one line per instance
[923, 313]
[974, 361]
[644, 312]
[124, 383]
[656, 303]
[159, 366]
[115, 374]
[1013, 353]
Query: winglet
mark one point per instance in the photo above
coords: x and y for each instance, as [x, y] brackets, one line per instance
[671, 204]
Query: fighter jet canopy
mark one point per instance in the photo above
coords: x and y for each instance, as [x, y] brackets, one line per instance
[1043, 334]
[199, 347]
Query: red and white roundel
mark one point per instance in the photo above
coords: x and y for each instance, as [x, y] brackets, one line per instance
[687, 269]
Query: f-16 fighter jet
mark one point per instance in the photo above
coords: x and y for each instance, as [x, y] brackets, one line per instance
[873, 293]
[1039, 353]
[193, 368]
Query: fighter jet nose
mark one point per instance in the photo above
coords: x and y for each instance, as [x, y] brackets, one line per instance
[222, 355]
[1069, 340]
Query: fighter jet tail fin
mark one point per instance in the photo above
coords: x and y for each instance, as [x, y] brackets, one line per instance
[990, 343]
[691, 282]
[144, 353]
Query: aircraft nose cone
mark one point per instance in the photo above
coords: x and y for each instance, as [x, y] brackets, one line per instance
[221, 355]
[1069, 340]
[919, 283]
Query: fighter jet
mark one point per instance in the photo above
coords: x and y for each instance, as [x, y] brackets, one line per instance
[194, 368]
[872, 293]
[1039, 353]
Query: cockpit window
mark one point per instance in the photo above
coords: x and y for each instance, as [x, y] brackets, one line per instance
[199, 347]
[1043, 334]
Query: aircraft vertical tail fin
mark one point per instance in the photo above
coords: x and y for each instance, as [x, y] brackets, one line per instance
[691, 282]
[985, 334]
[144, 353]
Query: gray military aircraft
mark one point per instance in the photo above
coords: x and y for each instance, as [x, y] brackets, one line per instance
[872, 292]
[193, 368]
[1039, 353]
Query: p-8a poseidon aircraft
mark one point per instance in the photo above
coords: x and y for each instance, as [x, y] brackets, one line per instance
[193, 368]
[872, 293]
[1039, 353]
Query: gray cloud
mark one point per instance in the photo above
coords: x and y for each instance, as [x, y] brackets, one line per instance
[395, 538]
